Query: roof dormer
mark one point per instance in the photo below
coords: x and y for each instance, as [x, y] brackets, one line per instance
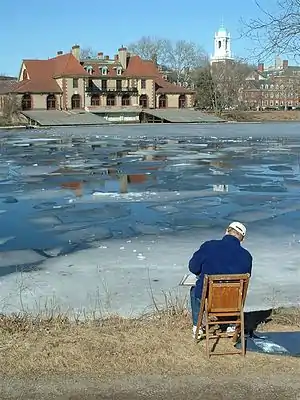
[89, 69]
[104, 70]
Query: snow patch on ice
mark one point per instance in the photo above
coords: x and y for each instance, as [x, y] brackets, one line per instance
[125, 271]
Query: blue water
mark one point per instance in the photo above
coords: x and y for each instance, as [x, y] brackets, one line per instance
[234, 169]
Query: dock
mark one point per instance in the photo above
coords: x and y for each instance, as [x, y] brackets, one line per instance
[54, 118]
[178, 116]
[105, 116]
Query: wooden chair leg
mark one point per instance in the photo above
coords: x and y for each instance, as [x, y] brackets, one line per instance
[243, 343]
[207, 330]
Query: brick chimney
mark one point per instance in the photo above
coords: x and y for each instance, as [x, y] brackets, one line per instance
[100, 55]
[261, 67]
[285, 64]
[59, 53]
[122, 52]
[76, 51]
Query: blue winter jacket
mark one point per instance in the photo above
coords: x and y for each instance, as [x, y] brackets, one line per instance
[225, 256]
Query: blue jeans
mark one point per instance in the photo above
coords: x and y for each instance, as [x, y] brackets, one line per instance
[195, 305]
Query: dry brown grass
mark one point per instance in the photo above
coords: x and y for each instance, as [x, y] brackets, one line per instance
[160, 343]
[286, 316]
[260, 116]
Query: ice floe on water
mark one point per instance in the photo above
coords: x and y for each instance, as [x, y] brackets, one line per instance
[108, 218]
[19, 258]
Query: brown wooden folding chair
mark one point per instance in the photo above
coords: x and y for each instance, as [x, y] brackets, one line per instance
[222, 302]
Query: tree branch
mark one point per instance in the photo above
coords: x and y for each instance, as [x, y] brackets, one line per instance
[180, 58]
[275, 33]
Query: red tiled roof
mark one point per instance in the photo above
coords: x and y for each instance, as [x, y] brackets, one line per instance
[168, 87]
[67, 65]
[43, 85]
[42, 74]
[140, 68]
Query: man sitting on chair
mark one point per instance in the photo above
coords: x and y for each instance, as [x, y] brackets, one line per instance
[215, 257]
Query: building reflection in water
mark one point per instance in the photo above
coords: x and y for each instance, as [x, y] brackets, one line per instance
[152, 156]
[76, 187]
[116, 183]
[221, 164]
[220, 188]
[119, 182]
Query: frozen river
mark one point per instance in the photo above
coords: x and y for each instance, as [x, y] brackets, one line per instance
[107, 218]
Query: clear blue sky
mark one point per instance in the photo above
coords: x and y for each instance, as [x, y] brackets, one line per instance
[38, 29]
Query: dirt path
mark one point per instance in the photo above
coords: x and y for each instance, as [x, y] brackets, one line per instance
[152, 387]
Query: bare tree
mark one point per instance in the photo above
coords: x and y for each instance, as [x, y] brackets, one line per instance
[275, 31]
[87, 53]
[183, 58]
[205, 88]
[11, 107]
[150, 48]
[228, 79]
[178, 59]
[219, 86]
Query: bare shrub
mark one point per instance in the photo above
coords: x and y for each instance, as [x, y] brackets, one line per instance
[11, 108]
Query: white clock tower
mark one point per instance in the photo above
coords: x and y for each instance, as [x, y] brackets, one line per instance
[222, 46]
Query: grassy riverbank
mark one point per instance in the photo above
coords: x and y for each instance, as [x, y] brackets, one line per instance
[15, 122]
[152, 357]
[157, 343]
[261, 116]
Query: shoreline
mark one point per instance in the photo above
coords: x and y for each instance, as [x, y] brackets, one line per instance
[280, 314]
[246, 121]
[279, 116]
[262, 116]
[9, 127]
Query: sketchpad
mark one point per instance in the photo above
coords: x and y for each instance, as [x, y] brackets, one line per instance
[277, 343]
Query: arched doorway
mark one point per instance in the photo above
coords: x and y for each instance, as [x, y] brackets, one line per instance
[162, 101]
[51, 102]
[75, 101]
[95, 100]
[144, 101]
[182, 101]
[110, 100]
[26, 102]
[125, 100]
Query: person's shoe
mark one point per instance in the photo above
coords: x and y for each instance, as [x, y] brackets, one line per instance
[200, 332]
[230, 329]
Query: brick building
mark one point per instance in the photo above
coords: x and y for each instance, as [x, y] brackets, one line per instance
[275, 87]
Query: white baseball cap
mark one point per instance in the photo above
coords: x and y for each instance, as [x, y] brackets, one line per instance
[239, 227]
